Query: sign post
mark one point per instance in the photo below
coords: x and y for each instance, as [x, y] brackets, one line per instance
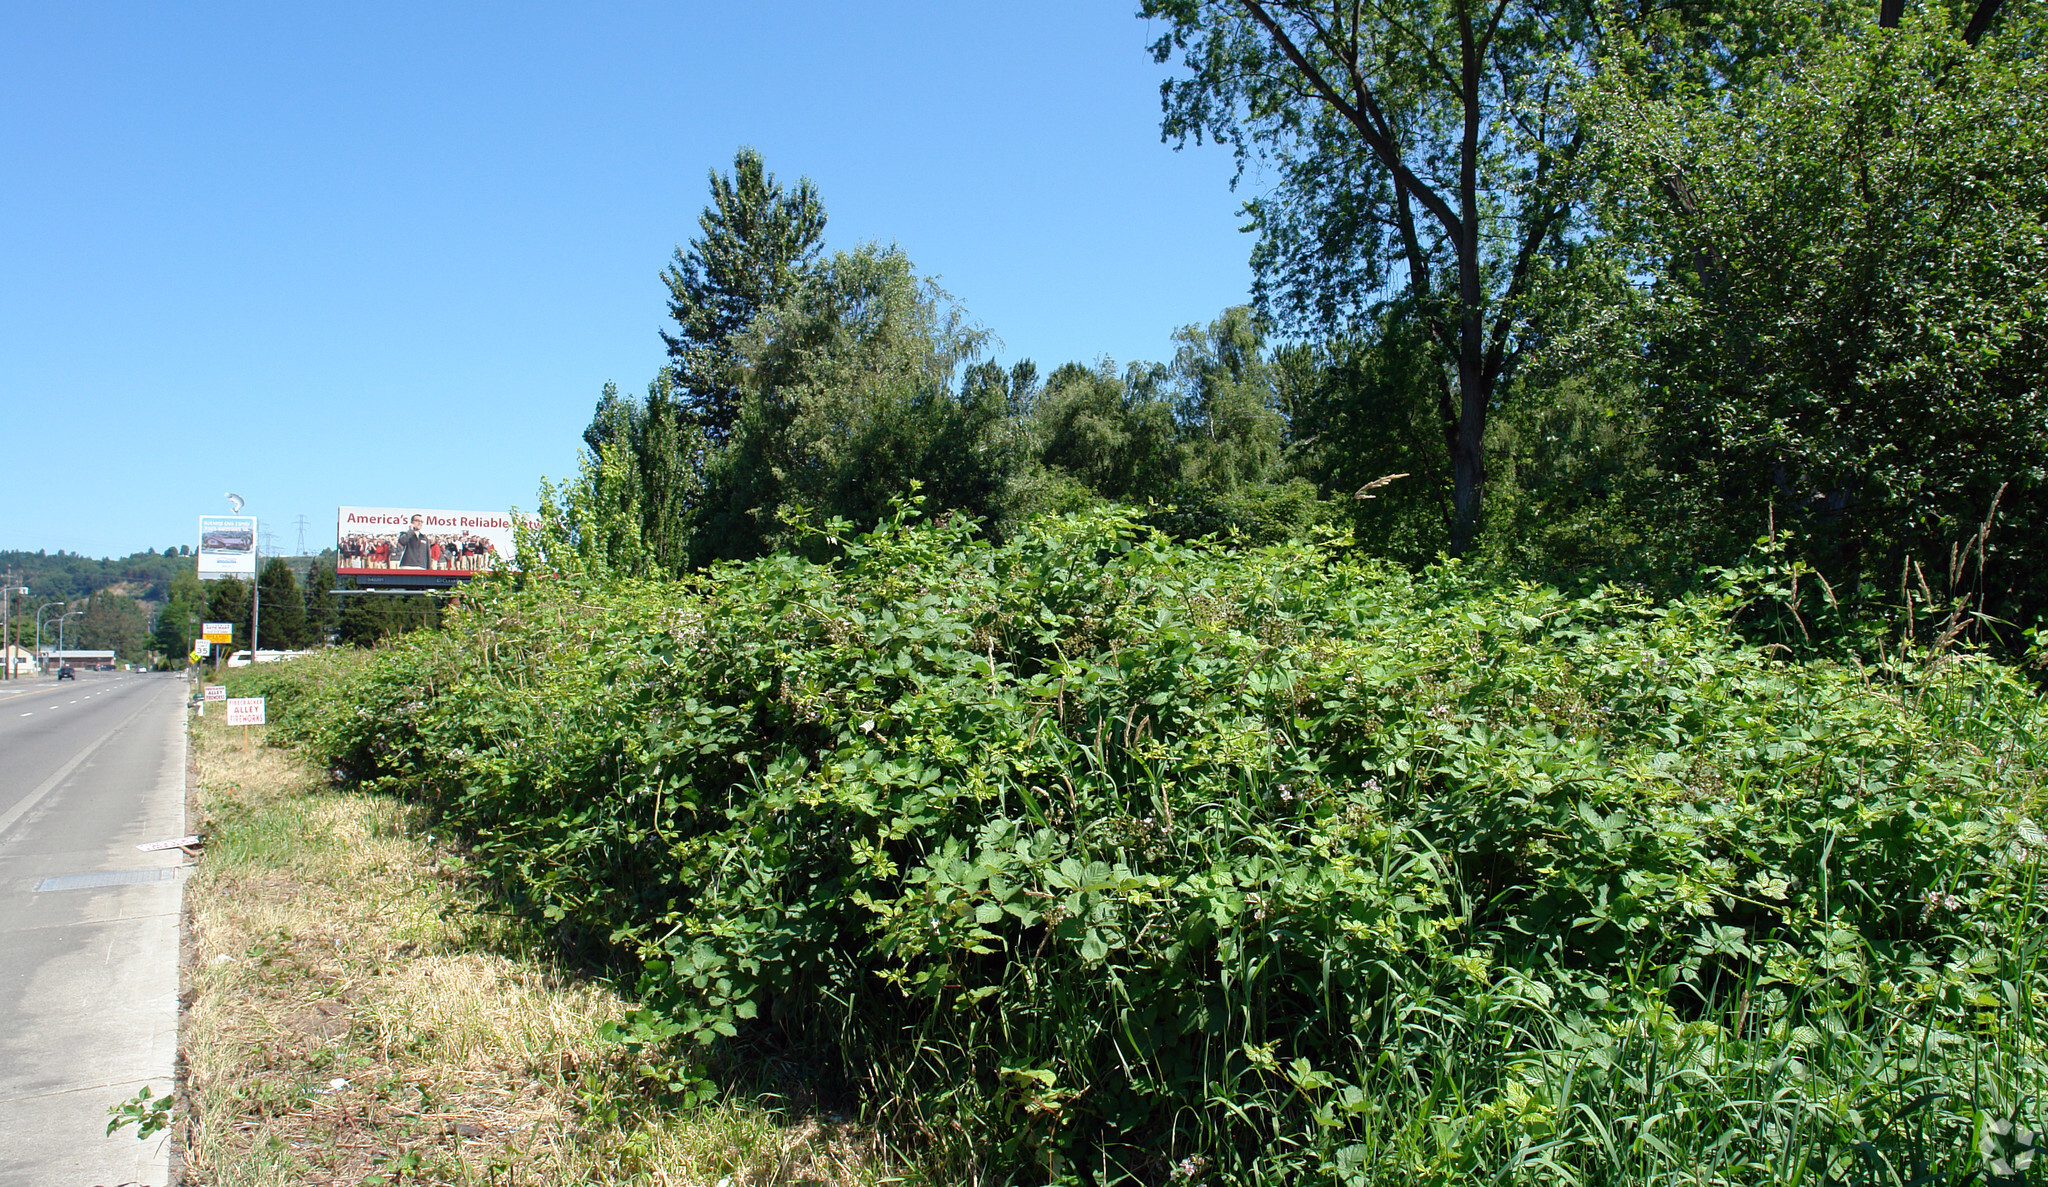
[243, 711]
[215, 634]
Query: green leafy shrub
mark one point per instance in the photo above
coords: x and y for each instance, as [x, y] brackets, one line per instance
[1097, 857]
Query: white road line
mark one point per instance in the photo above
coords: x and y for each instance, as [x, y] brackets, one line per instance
[44, 788]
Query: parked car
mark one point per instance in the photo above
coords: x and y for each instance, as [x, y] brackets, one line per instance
[104, 668]
[64, 672]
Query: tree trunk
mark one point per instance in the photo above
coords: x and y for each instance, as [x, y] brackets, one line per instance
[1468, 459]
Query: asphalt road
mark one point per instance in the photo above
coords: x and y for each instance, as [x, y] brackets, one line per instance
[88, 973]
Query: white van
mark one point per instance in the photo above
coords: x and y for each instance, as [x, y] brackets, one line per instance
[240, 659]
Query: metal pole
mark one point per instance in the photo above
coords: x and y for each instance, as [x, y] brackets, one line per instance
[39, 629]
[10, 639]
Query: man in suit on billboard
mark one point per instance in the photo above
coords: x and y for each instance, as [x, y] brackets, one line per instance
[412, 547]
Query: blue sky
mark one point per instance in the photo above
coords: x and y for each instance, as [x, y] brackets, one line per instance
[384, 254]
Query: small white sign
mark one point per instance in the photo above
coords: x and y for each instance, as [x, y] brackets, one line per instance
[245, 710]
[173, 843]
[216, 692]
[217, 632]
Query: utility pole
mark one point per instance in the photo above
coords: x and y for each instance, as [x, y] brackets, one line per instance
[7, 632]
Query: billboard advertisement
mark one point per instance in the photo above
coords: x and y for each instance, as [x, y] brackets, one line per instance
[420, 542]
[227, 546]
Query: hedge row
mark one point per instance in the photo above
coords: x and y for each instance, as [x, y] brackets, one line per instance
[1095, 857]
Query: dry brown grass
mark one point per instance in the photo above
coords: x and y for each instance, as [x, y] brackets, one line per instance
[356, 1014]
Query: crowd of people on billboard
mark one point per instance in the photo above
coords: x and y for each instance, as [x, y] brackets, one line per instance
[415, 549]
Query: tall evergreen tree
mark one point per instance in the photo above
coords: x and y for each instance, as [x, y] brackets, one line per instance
[758, 241]
[284, 607]
[667, 476]
[227, 600]
[320, 608]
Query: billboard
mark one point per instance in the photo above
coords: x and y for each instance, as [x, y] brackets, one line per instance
[227, 546]
[420, 542]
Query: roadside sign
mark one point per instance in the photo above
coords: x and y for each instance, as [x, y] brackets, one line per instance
[245, 710]
[217, 632]
[216, 692]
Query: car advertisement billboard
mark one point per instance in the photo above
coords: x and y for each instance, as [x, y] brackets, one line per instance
[420, 542]
[227, 546]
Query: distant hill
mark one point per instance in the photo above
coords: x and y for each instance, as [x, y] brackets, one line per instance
[144, 576]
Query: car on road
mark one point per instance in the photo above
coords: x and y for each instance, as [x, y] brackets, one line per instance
[64, 672]
[104, 668]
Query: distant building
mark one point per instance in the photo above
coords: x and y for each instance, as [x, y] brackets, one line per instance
[54, 659]
[17, 660]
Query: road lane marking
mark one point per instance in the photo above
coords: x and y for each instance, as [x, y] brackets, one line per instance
[62, 773]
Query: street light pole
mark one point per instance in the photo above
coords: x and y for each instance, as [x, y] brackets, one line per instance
[61, 620]
[39, 630]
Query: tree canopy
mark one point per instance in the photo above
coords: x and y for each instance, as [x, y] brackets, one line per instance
[1424, 153]
[1845, 321]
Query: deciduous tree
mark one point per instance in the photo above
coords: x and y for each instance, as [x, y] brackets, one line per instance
[1849, 316]
[850, 398]
[1421, 149]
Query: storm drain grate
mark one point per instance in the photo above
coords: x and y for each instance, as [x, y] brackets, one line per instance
[110, 878]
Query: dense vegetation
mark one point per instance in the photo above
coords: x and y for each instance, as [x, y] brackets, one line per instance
[1094, 856]
[1538, 695]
